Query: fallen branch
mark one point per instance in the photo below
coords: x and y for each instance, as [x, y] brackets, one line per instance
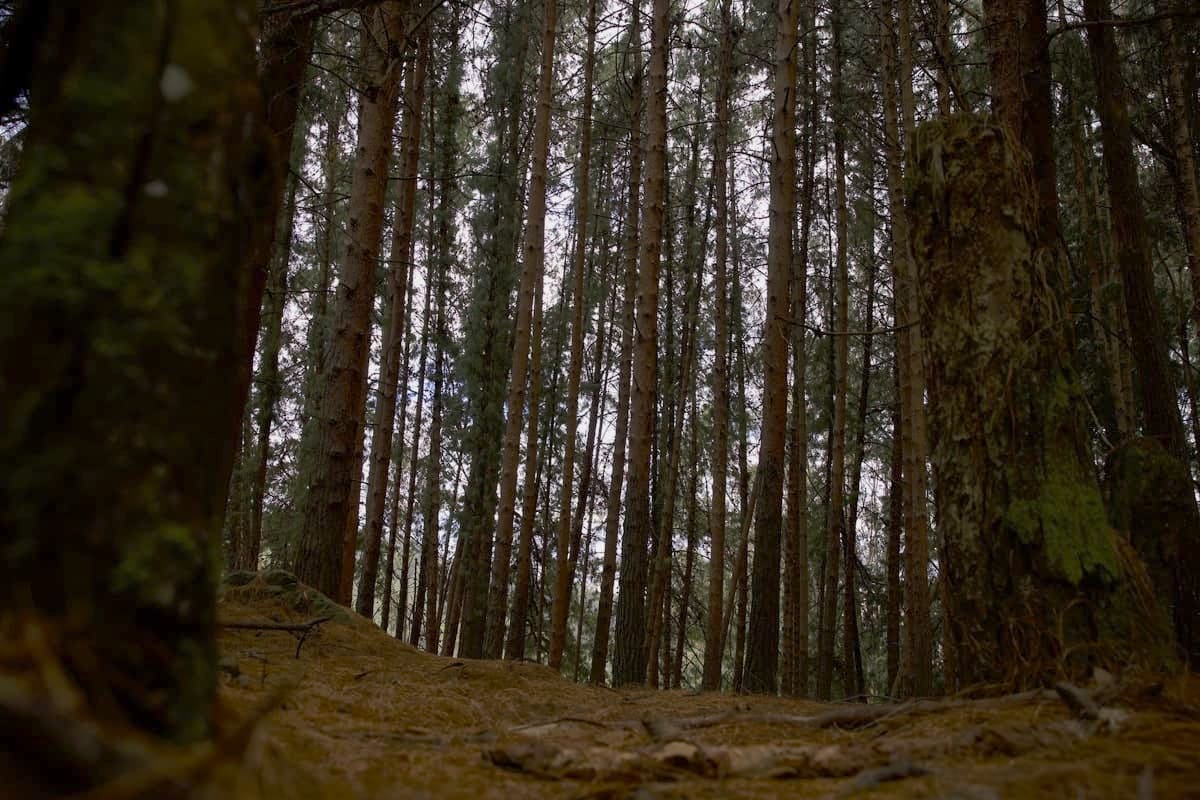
[301, 628]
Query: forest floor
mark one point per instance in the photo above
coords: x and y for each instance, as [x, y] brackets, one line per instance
[354, 713]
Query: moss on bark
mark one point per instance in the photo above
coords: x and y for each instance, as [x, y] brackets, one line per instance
[1149, 494]
[126, 322]
[1037, 582]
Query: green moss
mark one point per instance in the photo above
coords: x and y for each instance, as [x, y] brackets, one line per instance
[1067, 522]
[1066, 516]
[156, 564]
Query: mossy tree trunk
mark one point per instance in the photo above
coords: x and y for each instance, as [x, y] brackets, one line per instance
[1037, 580]
[129, 316]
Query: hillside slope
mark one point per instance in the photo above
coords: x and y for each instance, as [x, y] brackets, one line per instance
[360, 715]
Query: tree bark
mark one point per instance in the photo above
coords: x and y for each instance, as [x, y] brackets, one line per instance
[565, 568]
[517, 624]
[711, 680]
[763, 652]
[629, 657]
[394, 327]
[473, 645]
[917, 654]
[331, 501]
[621, 425]
[129, 234]
[1034, 574]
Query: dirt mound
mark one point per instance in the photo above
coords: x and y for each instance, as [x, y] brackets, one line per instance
[358, 714]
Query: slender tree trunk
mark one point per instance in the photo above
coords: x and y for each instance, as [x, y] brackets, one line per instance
[660, 591]
[713, 655]
[917, 654]
[855, 681]
[895, 530]
[488, 333]
[798, 475]
[747, 498]
[269, 382]
[629, 657]
[473, 645]
[332, 498]
[1183, 148]
[422, 359]
[837, 533]
[562, 581]
[1156, 383]
[690, 558]
[763, 653]
[394, 327]
[621, 426]
[398, 466]
[517, 624]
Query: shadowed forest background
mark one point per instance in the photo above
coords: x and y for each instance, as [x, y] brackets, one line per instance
[833, 350]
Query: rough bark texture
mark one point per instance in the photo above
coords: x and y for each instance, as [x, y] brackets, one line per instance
[1035, 576]
[534, 259]
[1150, 499]
[608, 571]
[393, 329]
[1019, 62]
[565, 567]
[629, 657]
[711, 678]
[917, 654]
[129, 316]
[331, 502]
[762, 657]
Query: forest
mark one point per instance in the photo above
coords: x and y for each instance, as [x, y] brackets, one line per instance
[664, 398]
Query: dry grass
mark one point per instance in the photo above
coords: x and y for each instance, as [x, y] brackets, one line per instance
[366, 716]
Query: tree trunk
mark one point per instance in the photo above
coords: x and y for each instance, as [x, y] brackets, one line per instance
[763, 653]
[713, 656]
[917, 654]
[422, 360]
[331, 501]
[895, 530]
[1156, 383]
[1034, 574]
[562, 579]
[394, 327]
[836, 531]
[517, 624]
[1019, 62]
[269, 382]
[473, 645]
[629, 657]
[487, 329]
[1182, 141]
[129, 233]
[621, 426]
[398, 465]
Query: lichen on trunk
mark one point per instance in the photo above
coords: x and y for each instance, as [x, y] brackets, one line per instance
[1038, 580]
